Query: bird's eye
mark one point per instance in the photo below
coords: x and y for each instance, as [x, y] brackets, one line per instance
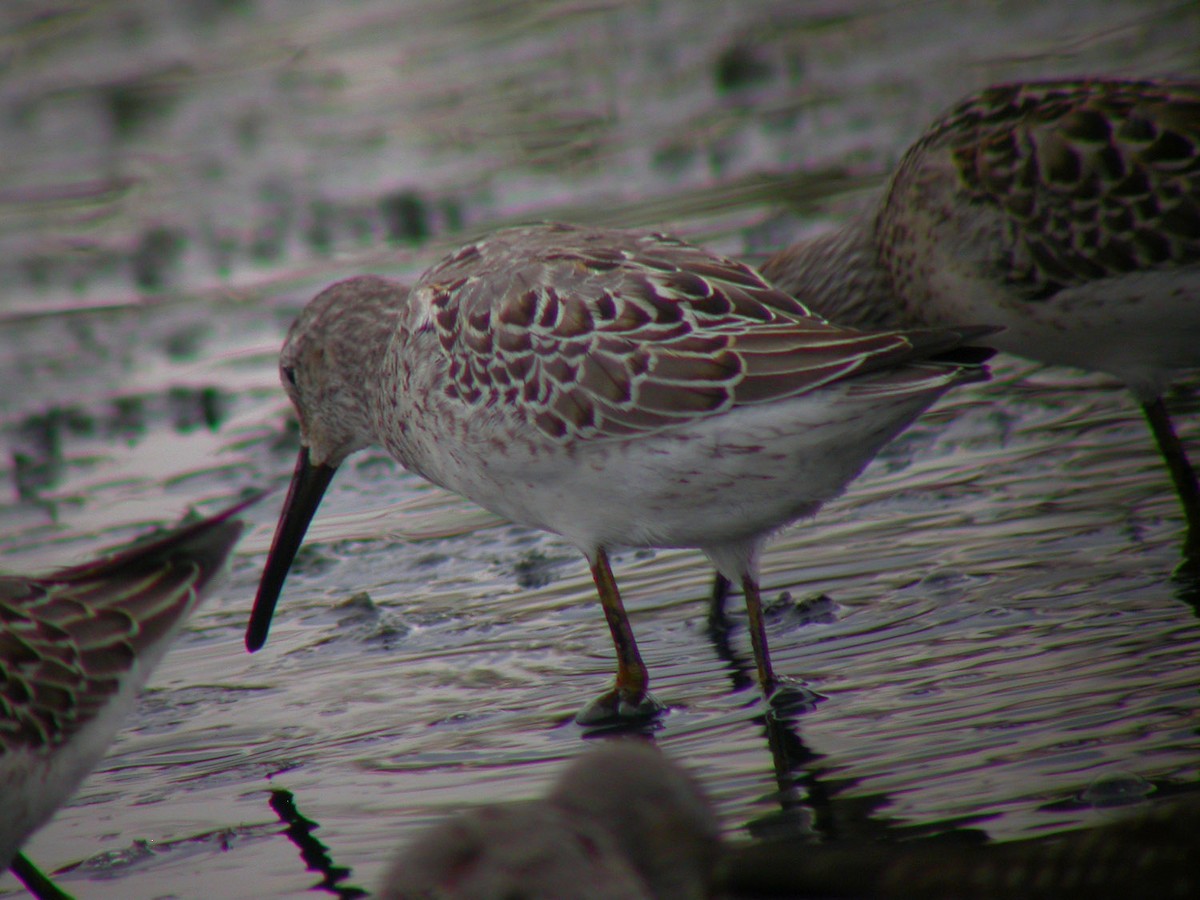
[290, 374]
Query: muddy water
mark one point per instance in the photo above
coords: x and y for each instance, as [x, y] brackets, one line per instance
[988, 614]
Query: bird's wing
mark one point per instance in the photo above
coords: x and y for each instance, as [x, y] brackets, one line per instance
[601, 334]
[69, 640]
[1094, 178]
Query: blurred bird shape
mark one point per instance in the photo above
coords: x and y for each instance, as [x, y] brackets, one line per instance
[76, 646]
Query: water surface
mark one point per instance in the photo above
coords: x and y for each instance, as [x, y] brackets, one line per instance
[1000, 644]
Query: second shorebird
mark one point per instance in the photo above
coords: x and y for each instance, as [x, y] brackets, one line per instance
[1067, 212]
[75, 648]
[613, 387]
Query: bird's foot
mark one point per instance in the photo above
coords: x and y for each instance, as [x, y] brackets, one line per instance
[617, 708]
[791, 697]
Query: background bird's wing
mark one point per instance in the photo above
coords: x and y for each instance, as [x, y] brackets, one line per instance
[1095, 178]
[69, 640]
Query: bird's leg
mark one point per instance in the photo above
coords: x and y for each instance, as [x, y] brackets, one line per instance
[718, 621]
[631, 671]
[1181, 470]
[38, 884]
[629, 698]
[758, 635]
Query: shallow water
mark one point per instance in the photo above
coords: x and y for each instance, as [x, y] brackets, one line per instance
[1002, 645]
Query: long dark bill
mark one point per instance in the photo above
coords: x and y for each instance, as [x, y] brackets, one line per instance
[304, 496]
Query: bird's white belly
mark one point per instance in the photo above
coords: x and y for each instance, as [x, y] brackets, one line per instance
[727, 478]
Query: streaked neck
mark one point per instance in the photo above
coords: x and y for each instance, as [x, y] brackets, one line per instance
[837, 274]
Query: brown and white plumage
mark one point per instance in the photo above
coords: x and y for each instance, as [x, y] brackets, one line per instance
[594, 342]
[75, 648]
[1066, 212]
[613, 387]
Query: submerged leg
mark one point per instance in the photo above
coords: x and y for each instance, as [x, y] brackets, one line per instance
[629, 698]
[1181, 470]
[758, 635]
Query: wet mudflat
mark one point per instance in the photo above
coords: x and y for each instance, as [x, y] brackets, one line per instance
[1000, 644]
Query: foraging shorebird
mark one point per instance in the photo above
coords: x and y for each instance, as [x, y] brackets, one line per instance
[613, 387]
[1066, 212]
